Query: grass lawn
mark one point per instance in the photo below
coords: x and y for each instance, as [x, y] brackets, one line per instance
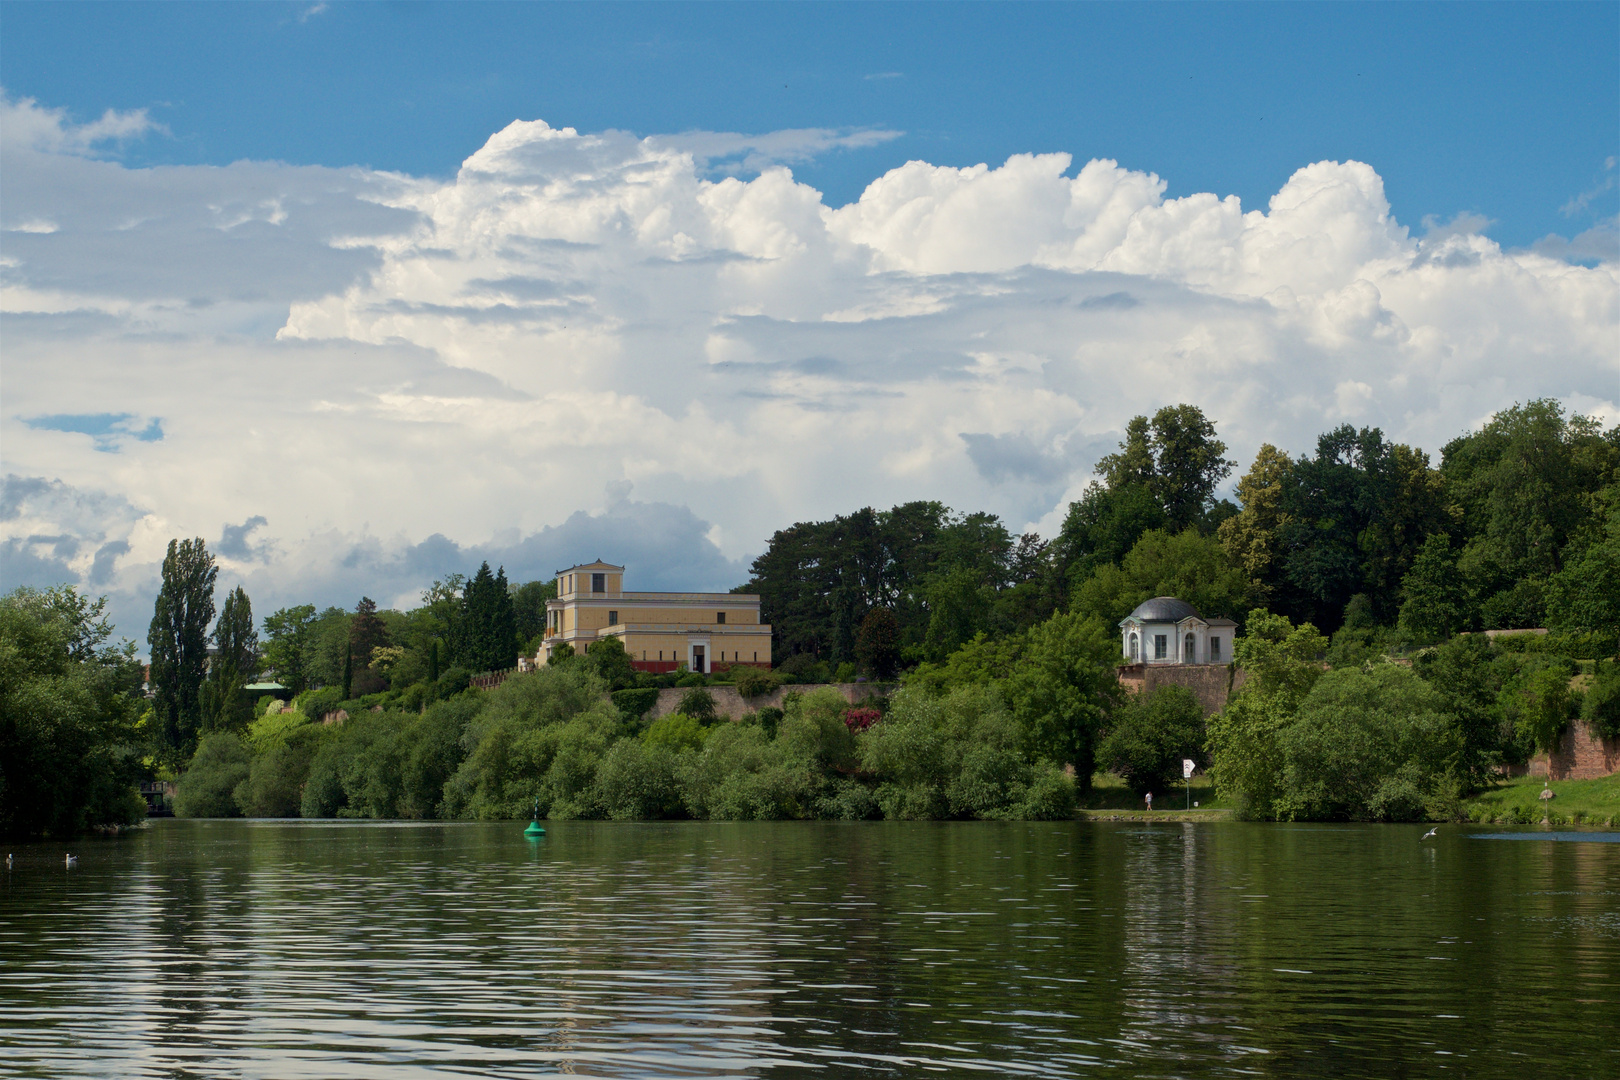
[1108, 792]
[1589, 802]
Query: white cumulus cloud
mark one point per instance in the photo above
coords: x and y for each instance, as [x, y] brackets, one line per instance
[381, 377]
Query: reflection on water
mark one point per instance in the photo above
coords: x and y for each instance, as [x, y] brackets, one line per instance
[302, 949]
[1578, 837]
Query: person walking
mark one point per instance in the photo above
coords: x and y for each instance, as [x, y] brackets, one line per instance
[1149, 797]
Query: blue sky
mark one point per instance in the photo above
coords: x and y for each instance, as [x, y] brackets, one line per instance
[1501, 110]
[364, 294]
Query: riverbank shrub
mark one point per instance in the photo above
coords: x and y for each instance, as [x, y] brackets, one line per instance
[554, 742]
[208, 787]
[1367, 745]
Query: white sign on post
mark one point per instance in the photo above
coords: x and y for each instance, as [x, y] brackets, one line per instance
[1186, 768]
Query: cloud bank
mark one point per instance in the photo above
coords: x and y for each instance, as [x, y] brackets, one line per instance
[593, 345]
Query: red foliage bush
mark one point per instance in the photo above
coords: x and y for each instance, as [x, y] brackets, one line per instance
[861, 719]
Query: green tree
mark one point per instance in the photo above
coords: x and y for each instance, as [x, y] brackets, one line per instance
[698, 703]
[1584, 597]
[529, 611]
[1103, 525]
[877, 649]
[367, 634]
[1601, 705]
[1177, 457]
[1190, 565]
[1463, 672]
[1358, 513]
[1281, 663]
[288, 638]
[207, 789]
[1065, 689]
[234, 664]
[607, 658]
[487, 632]
[1526, 485]
[1367, 745]
[1252, 536]
[69, 703]
[981, 662]
[1149, 737]
[178, 638]
[1436, 601]
[1539, 705]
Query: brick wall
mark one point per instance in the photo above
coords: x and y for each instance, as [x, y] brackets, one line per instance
[1581, 755]
[1211, 684]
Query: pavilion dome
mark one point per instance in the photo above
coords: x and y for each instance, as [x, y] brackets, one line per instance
[1164, 609]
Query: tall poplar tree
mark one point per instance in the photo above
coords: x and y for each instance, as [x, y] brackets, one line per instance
[235, 663]
[178, 637]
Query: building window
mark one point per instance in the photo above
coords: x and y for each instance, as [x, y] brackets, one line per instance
[1133, 645]
[1161, 646]
[613, 618]
[1189, 650]
[1214, 650]
[598, 583]
[720, 618]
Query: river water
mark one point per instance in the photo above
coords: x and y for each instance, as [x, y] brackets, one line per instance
[311, 949]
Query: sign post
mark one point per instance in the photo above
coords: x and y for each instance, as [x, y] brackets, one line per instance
[1187, 767]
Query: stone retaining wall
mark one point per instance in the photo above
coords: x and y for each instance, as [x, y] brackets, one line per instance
[727, 702]
[1581, 755]
[1211, 684]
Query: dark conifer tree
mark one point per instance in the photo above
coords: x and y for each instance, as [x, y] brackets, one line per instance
[487, 630]
[235, 662]
[367, 632]
[178, 637]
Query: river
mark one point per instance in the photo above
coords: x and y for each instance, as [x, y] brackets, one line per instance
[323, 949]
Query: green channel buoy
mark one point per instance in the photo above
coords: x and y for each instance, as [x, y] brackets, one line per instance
[534, 829]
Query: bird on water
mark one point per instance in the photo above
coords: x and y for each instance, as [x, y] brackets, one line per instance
[73, 860]
[1430, 833]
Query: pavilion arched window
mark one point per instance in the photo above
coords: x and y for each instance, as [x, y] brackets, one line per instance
[1189, 650]
[1133, 645]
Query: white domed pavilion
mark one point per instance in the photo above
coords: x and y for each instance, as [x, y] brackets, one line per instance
[1165, 630]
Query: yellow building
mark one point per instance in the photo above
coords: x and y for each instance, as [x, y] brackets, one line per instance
[661, 631]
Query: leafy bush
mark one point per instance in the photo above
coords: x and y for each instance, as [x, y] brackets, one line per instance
[1366, 746]
[676, 731]
[532, 739]
[1150, 736]
[276, 778]
[699, 704]
[752, 682]
[859, 719]
[636, 780]
[1601, 705]
[451, 682]
[634, 704]
[317, 703]
[959, 756]
[770, 718]
[206, 789]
